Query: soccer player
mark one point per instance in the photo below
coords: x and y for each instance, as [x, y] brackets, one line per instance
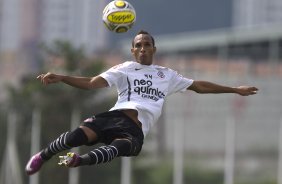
[142, 88]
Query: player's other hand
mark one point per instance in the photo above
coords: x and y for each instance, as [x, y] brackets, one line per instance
[246, 90]
[49, 78]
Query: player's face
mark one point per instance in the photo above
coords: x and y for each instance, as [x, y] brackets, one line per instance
[143, 49]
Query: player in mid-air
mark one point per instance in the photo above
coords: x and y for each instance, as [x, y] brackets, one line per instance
[142, 88]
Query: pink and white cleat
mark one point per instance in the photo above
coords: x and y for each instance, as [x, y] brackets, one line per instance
[34, 164]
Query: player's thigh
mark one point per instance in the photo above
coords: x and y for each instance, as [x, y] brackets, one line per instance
[91, 134]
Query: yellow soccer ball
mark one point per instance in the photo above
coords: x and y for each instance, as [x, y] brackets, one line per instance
[119, 16]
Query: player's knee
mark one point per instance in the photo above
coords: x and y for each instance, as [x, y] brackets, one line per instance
[127, 147]
[136, 148]
[76, 138]
[123, 146]
[91, 135]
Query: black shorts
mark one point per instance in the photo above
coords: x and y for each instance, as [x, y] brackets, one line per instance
[113, 125]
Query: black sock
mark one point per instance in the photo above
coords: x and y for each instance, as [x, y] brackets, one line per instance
[66, 141]
[120, 147]
[100, 155]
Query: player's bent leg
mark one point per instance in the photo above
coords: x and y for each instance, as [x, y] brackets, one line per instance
[66, 141]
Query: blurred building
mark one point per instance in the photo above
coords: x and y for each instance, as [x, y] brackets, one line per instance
[10, 21]
[77, 21]
[49, 20]
[10, 41]
[254, 13]
[26, 24]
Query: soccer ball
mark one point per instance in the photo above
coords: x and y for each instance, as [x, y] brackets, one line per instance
[119, 16]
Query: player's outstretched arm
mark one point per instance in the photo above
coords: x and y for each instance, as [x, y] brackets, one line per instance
[208, 87]
[78, 82]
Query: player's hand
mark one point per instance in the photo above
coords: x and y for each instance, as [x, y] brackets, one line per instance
[70, 160]
[49, 78]
[246, 90]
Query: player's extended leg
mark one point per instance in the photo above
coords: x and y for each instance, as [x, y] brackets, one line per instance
[119, 147]
[65, 141]
[103, 154]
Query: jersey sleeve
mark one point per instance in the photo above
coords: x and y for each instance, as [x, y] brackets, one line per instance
[113, 75]
[178, 83]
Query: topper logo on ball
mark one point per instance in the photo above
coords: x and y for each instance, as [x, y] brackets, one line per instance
[121, 17]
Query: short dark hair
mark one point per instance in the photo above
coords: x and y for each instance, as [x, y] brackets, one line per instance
[144, 32]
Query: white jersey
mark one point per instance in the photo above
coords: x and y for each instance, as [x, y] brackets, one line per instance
[144, 88]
